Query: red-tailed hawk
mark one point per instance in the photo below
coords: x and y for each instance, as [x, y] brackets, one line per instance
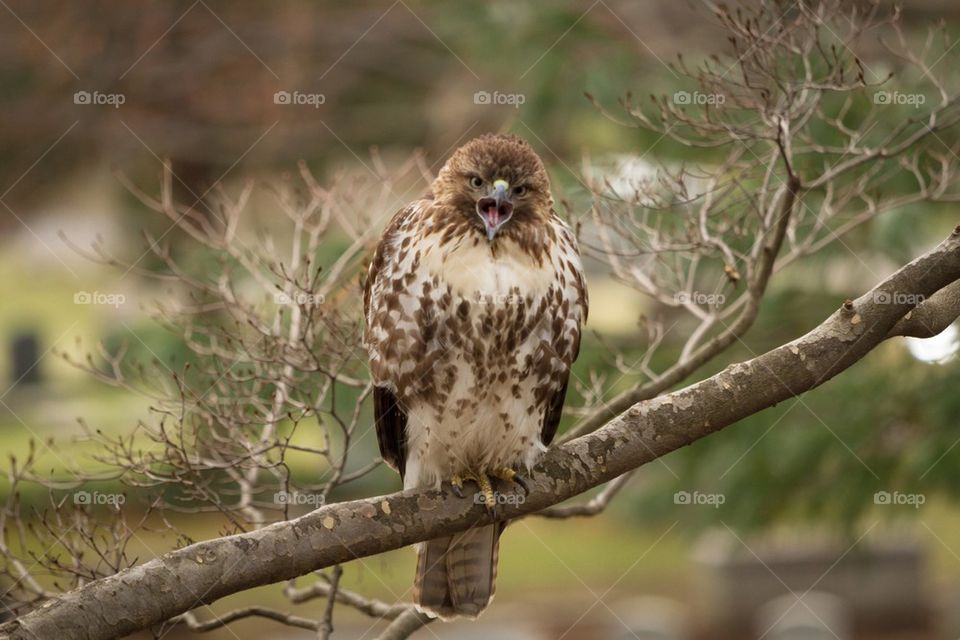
[473, 306]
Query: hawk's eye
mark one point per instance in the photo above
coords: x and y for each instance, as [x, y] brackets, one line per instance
[476, 182]
[519, 190]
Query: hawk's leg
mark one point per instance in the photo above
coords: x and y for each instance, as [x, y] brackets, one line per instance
[510, 475]
[483, 484]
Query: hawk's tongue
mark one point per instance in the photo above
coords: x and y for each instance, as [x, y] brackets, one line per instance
[493, 215]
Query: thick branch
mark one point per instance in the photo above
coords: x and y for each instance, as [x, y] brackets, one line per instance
[204, 572]
[592, 507]
[932, 315]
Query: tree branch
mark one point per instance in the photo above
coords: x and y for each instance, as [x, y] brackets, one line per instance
[369, 606]
[405, 624]
[932, 315]
[593, 506]
[757, 285]
[178, 581]
[238, 614]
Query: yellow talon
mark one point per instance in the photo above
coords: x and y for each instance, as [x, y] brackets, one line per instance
[457, 483]
[483, 485]
[509, 475]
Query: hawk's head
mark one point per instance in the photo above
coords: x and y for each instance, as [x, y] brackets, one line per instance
[498, 183]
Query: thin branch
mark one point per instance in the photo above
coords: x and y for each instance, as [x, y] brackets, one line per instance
[238, 614]
[406, 624]
[326, 627]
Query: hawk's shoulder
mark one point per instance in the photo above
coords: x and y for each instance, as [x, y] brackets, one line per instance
[400, 229]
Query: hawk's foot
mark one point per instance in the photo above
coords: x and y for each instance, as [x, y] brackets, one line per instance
[483, 484]
[510, 475]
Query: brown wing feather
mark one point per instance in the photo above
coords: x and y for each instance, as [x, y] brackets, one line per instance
[391, 423]
[554, 410]
[389, 418]
[551, 419]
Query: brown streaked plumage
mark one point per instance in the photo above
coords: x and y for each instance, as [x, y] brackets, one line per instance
[473, 304]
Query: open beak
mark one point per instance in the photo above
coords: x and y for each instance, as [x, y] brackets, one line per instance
[495, 209]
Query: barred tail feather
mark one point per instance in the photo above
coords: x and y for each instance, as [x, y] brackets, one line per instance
[456, 575]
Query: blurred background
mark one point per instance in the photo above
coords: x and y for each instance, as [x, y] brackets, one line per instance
[830, 516]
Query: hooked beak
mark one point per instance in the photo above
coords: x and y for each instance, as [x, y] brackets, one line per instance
[495, 209]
